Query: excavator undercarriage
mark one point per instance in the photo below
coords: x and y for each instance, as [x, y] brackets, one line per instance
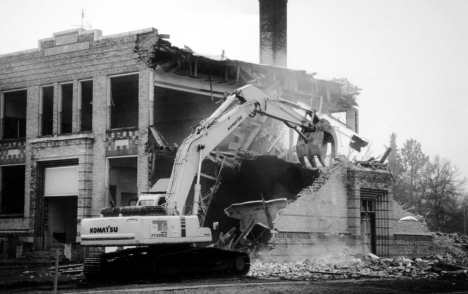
[158, 261]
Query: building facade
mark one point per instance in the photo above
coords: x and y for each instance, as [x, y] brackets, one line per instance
[67, 109]
[89, 121]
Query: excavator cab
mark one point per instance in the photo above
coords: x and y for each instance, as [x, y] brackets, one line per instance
[151, 200]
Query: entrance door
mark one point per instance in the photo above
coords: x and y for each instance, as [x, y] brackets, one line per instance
[60, 206]
[368, 226]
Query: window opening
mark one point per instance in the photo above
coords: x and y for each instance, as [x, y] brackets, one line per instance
[132, 202]
[12, 189]
[177, 112]
[66, 109]
[14, 114]
[86, 106]
[47, 111]
[124, 101]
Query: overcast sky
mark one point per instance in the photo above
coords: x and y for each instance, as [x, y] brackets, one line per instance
[410, 57]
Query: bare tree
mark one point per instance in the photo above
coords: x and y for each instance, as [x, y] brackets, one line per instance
[442, 193]
[413, 161]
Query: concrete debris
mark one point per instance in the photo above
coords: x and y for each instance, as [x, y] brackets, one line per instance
[63, 270]
[72, 269]
[225, 241]
[456, 244]
[342, 266]
[374, 165]
[258, 210]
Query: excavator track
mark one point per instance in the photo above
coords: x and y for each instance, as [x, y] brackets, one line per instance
[92, 267]
[151, 264]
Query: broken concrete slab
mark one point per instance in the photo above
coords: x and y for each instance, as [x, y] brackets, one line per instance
[247, 211]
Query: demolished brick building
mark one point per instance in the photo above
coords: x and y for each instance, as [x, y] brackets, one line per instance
[89, 120]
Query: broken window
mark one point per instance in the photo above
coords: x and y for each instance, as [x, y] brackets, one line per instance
[123, 102]
[66, 108]
[85, 107]
[14, 114]
[123, 180]
[47, 111]
[12, 189]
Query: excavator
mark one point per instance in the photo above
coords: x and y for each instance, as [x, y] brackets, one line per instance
[160, 234]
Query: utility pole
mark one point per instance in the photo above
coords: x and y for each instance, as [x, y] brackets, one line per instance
[464, 219]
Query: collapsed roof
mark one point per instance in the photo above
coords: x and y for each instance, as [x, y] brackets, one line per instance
[293, 85]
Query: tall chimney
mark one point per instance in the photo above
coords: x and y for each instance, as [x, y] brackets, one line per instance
[273, 32]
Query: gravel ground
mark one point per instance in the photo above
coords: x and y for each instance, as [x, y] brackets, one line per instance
[35, 278]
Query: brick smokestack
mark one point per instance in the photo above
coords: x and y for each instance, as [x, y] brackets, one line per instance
[273, 32]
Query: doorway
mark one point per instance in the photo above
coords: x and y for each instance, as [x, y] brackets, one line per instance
[60, 226]
[60, 205]
[123, 189]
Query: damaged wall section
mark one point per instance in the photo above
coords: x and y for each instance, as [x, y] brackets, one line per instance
[316, 221]
[347, 207]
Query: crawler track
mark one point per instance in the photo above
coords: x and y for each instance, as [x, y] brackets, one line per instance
[150, 263]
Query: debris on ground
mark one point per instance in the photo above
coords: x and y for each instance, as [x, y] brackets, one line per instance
[342, 266]
[455, 243]
[71, 269]
[63, 270]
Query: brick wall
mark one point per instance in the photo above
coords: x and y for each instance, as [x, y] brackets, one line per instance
[89, 56]
[67, 149]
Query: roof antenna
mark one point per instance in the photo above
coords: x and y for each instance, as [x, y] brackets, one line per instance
[82, 19]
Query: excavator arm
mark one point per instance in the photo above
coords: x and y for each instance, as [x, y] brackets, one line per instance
[163, 240]
[244, 102]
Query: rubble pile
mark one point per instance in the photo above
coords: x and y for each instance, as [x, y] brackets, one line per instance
[456, 244]
[342, 266]
[74, 271]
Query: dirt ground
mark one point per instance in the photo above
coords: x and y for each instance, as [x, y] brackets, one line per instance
[38, 278]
